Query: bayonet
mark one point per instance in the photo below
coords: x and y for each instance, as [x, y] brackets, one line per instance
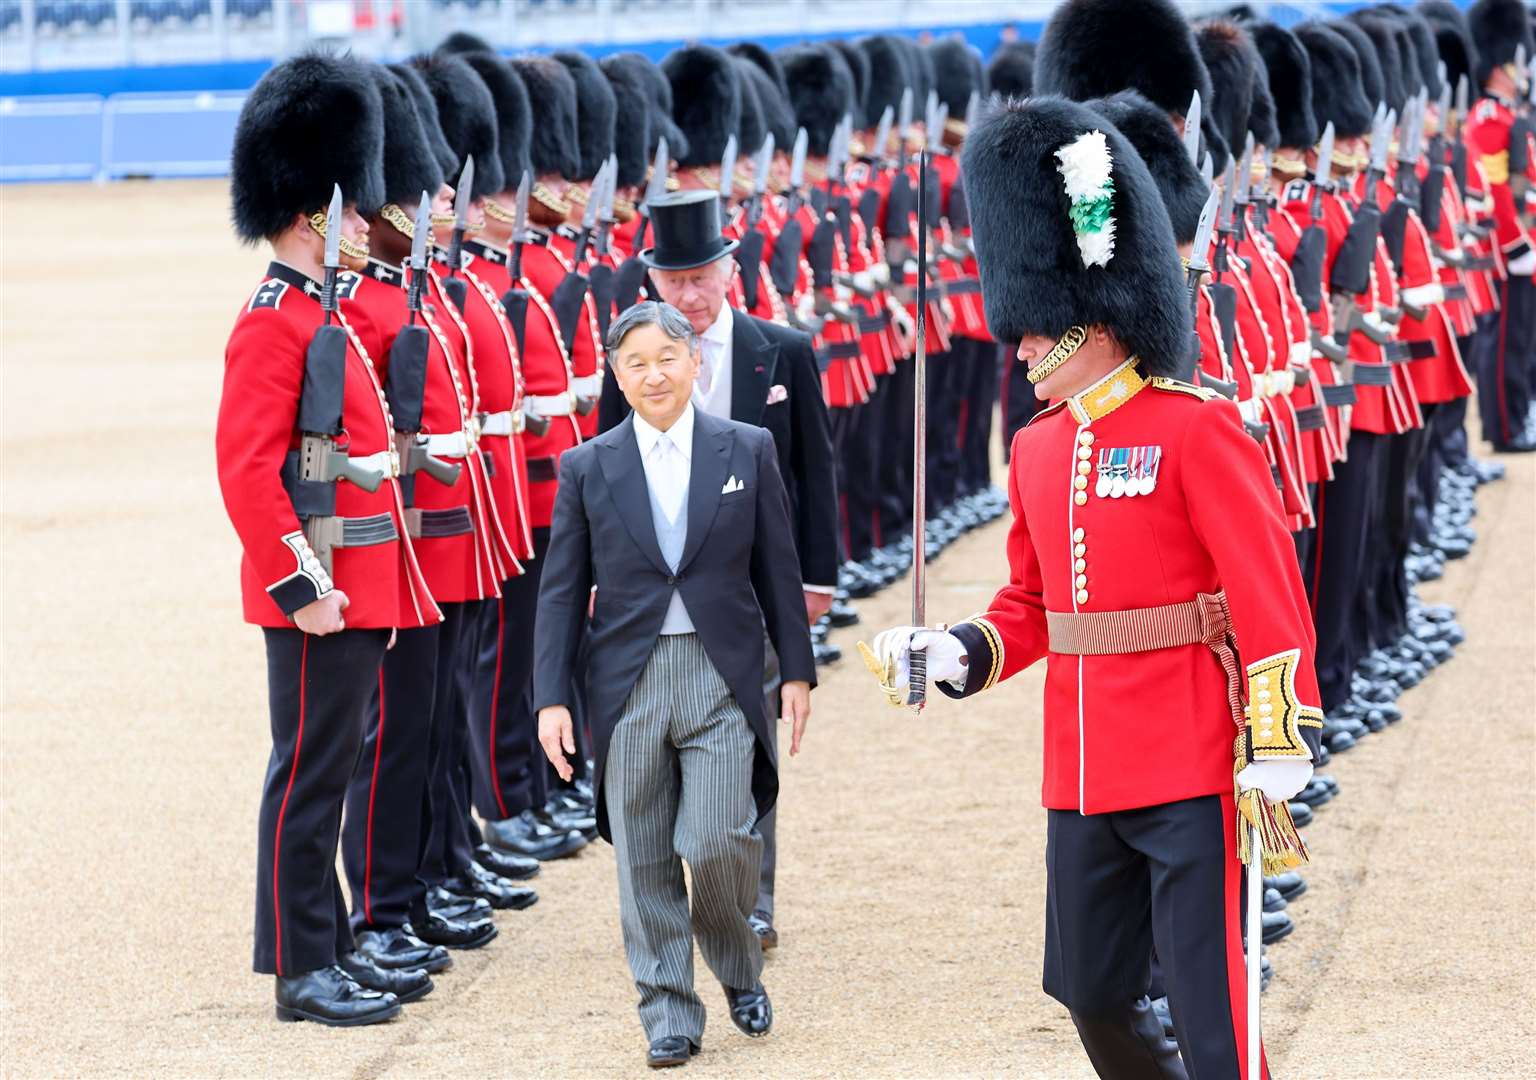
[882, 136]
[1208, 169]
[1241, 179]
[1192, 129]
[903, 127]
[605, 205]
[520, 226]
[1322, 176]
[454, 286]
[760, 169]
[936, 133]
[1199, 261]
[972, 111]
[656, 186]
[589, 217]
[797, 169]
[332, 253]
[418, 260]
[728, 171]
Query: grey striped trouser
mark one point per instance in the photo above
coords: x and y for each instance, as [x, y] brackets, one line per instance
[678, 785]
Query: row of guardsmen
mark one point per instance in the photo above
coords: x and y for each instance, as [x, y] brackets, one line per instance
[401, 384]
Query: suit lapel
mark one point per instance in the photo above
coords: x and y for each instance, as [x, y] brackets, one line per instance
[625, 475]
[712, 441]
[753, 362]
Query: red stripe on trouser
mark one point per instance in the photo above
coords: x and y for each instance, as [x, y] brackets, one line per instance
[1498, 370]
[277, 839]
[1237, 966]
[501, 615]
[373, 787]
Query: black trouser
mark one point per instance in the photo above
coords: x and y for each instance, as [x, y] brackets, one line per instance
[977, 407]
[896, 454]
[446, 851]
[1399, 488]
[387, 802]
[1344, 510]
[860, 457]
[1306, 546]
[509, 766]
[1120, 884]
[317, 690]
[1426, 482]
[1504, 363]
[947, 376]
[1019, 401]
[1451, 420]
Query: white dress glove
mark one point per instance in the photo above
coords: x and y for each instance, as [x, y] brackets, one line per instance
[893, 649]
[1525, 265]
[1280, 779]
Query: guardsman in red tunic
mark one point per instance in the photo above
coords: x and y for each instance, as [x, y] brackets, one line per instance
[1129, 469]
[1499, 29]
[307, 466]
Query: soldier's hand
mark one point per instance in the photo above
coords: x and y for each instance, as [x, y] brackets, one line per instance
[323, 616]
[557, 737]
[795, 710]
[817, 604]
[1280, 779]
[890, 658]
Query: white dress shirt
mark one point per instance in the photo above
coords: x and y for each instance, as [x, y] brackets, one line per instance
[667, 457]
[712, 391]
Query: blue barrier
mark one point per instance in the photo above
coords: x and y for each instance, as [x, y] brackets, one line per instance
[51, 138]
[159, 135]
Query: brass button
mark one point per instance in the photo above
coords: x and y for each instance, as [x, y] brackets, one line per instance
[1077, 537]
[1085, 438]
[1082, 579]
[1082, 596]
[1080, 482]
[1262, 680]
[1265, 695]
[1084, 468]
[1080, 497]
[1080, 549]
[1084, 453]
[1265, 710]
[1080, 565]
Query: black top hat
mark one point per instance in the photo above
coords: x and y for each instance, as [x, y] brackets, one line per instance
[687, 226]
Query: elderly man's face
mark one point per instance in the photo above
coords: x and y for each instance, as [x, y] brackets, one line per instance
[656, 374]
[698, 293]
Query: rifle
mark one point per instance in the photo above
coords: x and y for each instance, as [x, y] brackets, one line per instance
[1352, 267]
[454, 286]
[760, 167]
[570, 295]
[1196, 269]
[655, 188]
[600, 272]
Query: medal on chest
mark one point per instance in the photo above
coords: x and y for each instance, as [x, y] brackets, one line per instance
[1127, 471]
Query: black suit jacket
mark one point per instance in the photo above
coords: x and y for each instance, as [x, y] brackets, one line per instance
[765, 355]
[737, 575]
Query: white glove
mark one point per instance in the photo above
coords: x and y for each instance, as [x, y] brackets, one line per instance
[893, 649]
[1280, 779]
[1525, 265]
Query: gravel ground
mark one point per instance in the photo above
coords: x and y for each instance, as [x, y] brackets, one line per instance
[912, 885]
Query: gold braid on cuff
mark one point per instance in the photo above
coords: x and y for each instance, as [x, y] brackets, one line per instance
[1060, 353]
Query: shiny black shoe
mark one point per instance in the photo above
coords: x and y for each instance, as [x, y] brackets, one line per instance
[332, 997]
[526, 835]
[565, 811]
[1301, 814]
[396, 949]
[842, 614]
[407, 984]
[1315, 794]
[454, 934]
[500, 893]
[670, 1051]
[751, 1011]
[825, 652]
[502, 864]
[1274, 926]
[1289, 885]
[1273, 901]
[461, 907]
[762, 925]
[1164, 1016]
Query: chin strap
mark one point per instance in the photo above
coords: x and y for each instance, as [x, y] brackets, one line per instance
[1060, 353]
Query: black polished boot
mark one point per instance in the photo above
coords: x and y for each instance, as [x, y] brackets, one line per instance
[407, 984]
[330, 996]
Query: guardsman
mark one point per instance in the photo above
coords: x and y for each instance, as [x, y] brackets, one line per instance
[396, 313]
[307, 467]
[1142, 843]
[1501, 31]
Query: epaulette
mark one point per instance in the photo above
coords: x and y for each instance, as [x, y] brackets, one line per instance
[1297, 191]
[346, 284]
[1178, 386]
[1046, 411]
[269, 294]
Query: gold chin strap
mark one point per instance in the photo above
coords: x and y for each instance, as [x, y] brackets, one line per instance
[550, 200]
[318, 222]
[623, 209]
[497, 212]
[956, 127]
[1060, 353]
[576, 196]
[399, 219]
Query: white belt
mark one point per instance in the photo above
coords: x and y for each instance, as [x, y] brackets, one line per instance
[587, 385]
[452, 444]
[1301, 352]
[1280, 383]
[549, 405]
[1422, 296]
[506, 422]
[384, 461]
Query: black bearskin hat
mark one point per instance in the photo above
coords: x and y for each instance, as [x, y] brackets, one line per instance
[1214, 143]
[596, 112]
[889, 75]
[514, 118]
[426, 112]
[1011, 71]
[633, 139]
[1499, 27]
[1338, 90]
[1372, 80]
[773, 108]
[1290, 85]
[1229, 59]
[1091, 48]
[1035, 277]
[467, 113]
[765, 62]
[462, 41]
[706, 101]
[1261, 118]
[1382, 34]
[858, 70]
[1147, 129]
[659, 91]
[552, 99]
[311, 122]
[749, 133]
[1453, 39]
[919, 71]
[957, 73]
[1425, 53]
[821, 89]
[409, 164]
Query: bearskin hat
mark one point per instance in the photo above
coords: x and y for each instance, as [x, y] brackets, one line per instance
[706, 101]
[858, 70]
[1036, 276]
[633, 137]
[552, 99]
[1338, 89]
[409, 164]
[1425, 54]
[957, 73]
[889, 76]
[920, 70]
[777, 117]
[426, 112]
[764, 61]
[1091, 48]
[750, 132]
[462, 41]
[1453, 39]
[1011, 71]
[1290, 85]
[467, 113]
[596, 112]
[514, 118]
[821, 89]
[311, 122]
[1229, 58]
[1213, 142]
[1147, 129]
[1382, 34]
[1261, 118]
[1371, 79]
[1499, 27]
[659, 92]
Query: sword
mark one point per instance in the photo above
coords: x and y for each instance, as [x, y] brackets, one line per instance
[1255, 948]
[1192, 129]
[454, 286]
[918, 661]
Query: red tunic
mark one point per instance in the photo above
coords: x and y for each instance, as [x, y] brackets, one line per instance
[547, 371]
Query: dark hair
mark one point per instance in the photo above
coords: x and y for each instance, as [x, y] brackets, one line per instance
[673, 323]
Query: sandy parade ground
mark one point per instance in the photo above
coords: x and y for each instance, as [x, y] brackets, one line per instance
[911, 871]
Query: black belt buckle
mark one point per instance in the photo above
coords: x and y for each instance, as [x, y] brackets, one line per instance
[1339, 394]
[535, 425]
[585, 405]
[543, 470]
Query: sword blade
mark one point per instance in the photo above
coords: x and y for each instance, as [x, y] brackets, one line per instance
[918, 690]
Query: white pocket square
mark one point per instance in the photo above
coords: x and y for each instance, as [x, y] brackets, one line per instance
[732, 485]
[777, 393]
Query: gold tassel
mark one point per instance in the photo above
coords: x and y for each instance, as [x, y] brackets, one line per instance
[1280, 845]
